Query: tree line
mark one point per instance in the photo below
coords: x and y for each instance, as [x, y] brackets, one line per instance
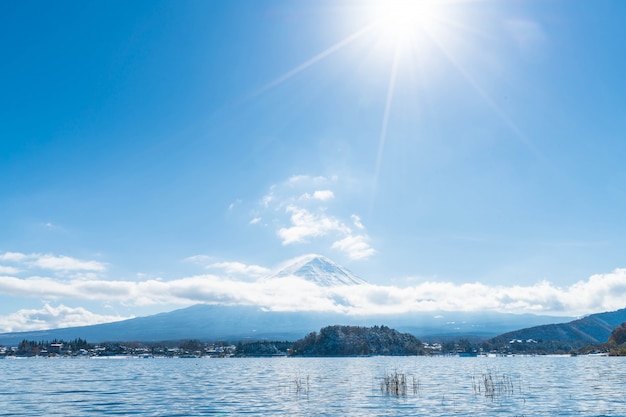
[329, 341]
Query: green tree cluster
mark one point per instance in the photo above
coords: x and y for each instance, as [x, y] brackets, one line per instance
[34, 348]
[356, 341]
[264, 348]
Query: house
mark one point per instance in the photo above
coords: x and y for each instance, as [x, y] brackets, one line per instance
[56, 347]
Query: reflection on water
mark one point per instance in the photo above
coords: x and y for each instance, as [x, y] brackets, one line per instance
[434, 386]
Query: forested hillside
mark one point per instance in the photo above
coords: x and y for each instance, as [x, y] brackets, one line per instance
[590, 330]
[356, 340]
[617, 341]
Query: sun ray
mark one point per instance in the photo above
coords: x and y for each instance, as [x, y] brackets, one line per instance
[387, 111]
[490, 102]
[328, 51]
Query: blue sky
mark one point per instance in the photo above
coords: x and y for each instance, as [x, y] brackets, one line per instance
[463, 147]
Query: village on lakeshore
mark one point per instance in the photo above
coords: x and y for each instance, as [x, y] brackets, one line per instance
[331, 341]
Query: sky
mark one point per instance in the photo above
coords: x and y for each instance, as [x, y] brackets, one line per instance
[457, 155]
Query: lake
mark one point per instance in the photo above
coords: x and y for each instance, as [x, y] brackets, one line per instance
[435, 386]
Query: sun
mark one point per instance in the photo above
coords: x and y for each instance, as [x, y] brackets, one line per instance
[403, 20]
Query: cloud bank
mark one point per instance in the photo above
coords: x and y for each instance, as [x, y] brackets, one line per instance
[50, 317]
[600, 292]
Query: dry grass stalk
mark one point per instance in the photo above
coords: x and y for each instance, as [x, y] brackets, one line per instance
[396, 384]
[302, 386]
[493, 386]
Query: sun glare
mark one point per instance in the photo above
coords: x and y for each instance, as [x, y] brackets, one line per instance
[401, 20]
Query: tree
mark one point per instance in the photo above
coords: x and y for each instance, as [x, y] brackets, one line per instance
[191, 346]
[618, 336]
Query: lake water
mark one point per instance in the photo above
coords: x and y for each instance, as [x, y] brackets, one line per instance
[436, 386]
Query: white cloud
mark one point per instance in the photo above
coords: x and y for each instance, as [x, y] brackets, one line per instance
[321, 195]
[357, 222]
[50, 317]
[298, 208]
[238, 268]
[310, 180]
[199, 259]
[602, 292]
[267, 200]
[13, 257]
[229, 267]
[356, 247]
[65, 263]
[305, 224]
[297, 178]
[51, 262]
[10, 270]
[234, 204]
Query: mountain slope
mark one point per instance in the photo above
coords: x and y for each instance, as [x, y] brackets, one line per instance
[319, 270]
[595, 328]
[234, 323]
[204, 322]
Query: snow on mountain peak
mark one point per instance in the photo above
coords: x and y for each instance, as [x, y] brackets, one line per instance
[320, 270]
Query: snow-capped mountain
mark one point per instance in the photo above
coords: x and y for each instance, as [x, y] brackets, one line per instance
[254, 322]
[320, 270]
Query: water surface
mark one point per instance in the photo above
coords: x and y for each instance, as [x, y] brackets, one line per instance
[436, 386]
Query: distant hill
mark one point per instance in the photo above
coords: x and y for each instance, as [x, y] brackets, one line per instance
[356, 340]
[592, 329]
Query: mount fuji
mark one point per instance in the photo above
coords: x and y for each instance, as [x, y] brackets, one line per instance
[319, 270]
[256, 322]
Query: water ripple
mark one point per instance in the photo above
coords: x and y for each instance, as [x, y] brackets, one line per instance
[560, 386]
